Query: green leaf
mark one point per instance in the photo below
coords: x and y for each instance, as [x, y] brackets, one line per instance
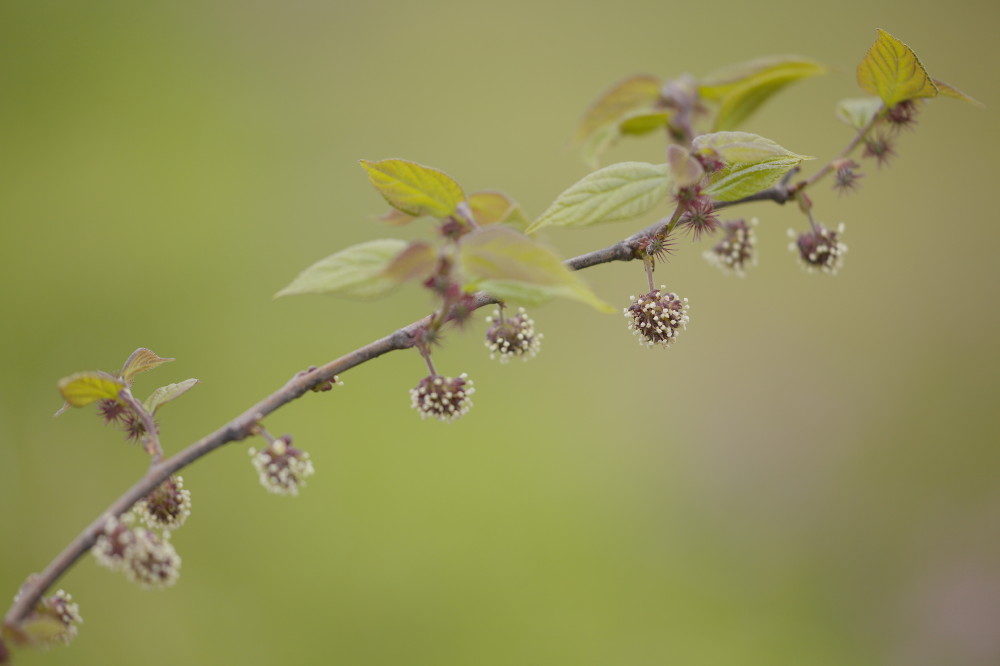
[753, 163]
[947, 90]
[643, 122]
[612, 194]
[740, 89]
[594, 145]
[625, 96]
[40, 629]
[165, 394]
[858, 112]
[511, 266]
[141, 360]
[415, 262]
[357, 272]
[413, 188]
[83, 388]
[492, 207]
[892, 71]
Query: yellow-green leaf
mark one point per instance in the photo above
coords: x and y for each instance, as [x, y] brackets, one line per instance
[753, 163]
[165, 394]
[617, 192]
[948, 90]
[892, 71]
[413, 188]
[415, 262]
[83, 388]
[492, 207]
[594, 145]
[740, 89]
[643, 122]
[511, 266]
[40, 629]
[141, 360]
[357, 272]
[623, 97]
[858, 112]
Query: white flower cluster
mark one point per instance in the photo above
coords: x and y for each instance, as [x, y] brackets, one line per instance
[442, 398]
[820, 249]
[144, 557]
[167, 507]
[657, 317]
[737, 249]
[512, 336]
[281, 467]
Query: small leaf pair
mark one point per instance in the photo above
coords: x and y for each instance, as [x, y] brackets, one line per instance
[83, 388]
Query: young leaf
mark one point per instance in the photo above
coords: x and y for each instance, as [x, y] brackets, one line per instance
[739, 90]
[84, 388]
[625, 96]
[511, 266]
[947, 90]
[395, 218]
[493, 207]
[612, 194]
[414, 263]
[892, 71]
[165, 394]
[684, 169]
[741, 147]
[859, 111]
[753, 163]
[643, 122]
[413, 188]
[141, 360]
[594, 145]
[357, 272]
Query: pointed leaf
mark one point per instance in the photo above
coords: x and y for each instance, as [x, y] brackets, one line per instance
[859, 111]
[413, 188]
[742, 180]
[165, 394]
[643, 122]
[594, 145]
[742, 147]
[741, 89]
[951, 91]
[492, 207]
[357, 272]
[416, 262]
[511, 266]
[612, 194]
[753, 163]
[625, 96]
[892, 71]
[84, 388]
[141, 360]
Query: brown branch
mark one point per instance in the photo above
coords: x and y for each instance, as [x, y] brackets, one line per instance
[244, 425]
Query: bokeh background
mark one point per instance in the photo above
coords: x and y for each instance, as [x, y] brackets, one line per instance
[810, 476]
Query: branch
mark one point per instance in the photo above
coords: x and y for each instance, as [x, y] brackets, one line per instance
[245, 424]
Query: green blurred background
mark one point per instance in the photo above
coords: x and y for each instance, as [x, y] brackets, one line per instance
[810, 476]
